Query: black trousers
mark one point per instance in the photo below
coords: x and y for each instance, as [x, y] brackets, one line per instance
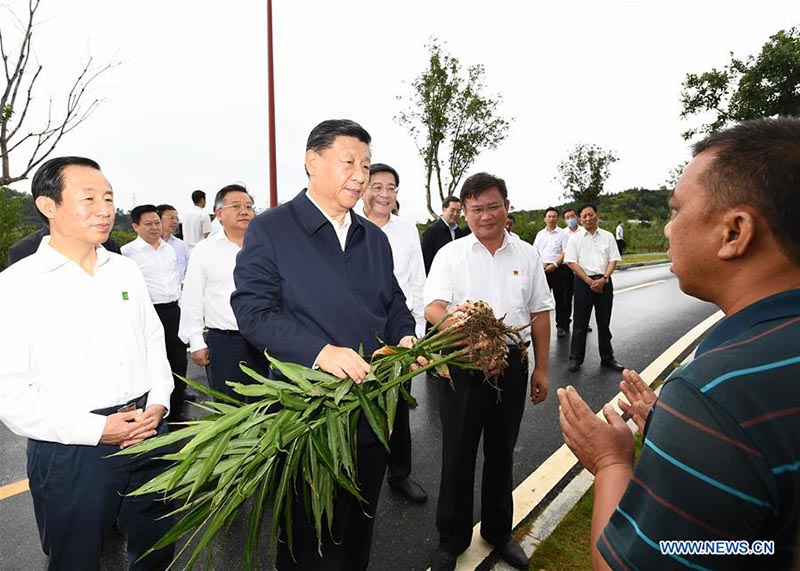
[466, 411]
[78, 493]
[349, 548]
[226, 350]
[559, 281]
[585, 301]
[170, 316]
[399, 461]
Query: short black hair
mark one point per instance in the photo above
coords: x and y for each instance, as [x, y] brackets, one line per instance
[586, 205]
[197, 196]
[162, 208]
[381, 167]
[322, 136]
[225, 190]
[446, 202]
[136, 213]
[49, 178]
[570, 210]
[480, 182]
[757, 163]
[552, 209]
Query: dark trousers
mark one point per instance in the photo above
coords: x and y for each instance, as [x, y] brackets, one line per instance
[226, 350]
[466, 411]
[558, 281]
[78, 493]
[349, 548]
[399, 461]
[170, 316]
[585, 301]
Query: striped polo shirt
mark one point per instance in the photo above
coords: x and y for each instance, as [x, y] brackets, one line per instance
[721, 455]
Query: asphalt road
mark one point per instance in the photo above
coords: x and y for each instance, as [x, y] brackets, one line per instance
[650, 314]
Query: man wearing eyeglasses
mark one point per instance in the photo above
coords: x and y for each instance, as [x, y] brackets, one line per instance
[206, 300]
[506, 273]
[379, 200]
[443, 231]
[159, 265]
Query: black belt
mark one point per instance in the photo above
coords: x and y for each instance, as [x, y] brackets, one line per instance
[128, 406]
[168, 304]
[597, 276]
[229, 332]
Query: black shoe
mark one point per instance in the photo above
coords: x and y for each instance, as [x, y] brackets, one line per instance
[410, 489]
[513, 554]
[589, 329]
[443, 561]
[611, 364]
[573, 366]
[561, 332]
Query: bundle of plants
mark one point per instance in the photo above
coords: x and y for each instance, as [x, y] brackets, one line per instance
[301, 431]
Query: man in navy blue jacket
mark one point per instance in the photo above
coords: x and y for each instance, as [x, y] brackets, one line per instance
[314, 282]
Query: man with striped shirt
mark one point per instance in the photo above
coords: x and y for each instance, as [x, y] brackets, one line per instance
[720, 464]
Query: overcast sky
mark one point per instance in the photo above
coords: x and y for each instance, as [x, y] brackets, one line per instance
[187, 108]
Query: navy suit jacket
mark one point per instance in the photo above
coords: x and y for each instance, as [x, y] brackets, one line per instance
[435, 236]
[297, 291]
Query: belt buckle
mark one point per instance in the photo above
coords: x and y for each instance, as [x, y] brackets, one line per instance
[131, 406]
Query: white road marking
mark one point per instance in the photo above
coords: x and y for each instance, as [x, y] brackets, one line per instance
[631, 288]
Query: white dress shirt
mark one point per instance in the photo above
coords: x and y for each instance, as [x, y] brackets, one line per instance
[206, 299]
[592, 252]
[550, 245]
[512, 281]
[73, 343]
[620, 232]
[409, 267]
[182, 255]
[216, 226]
[195, 223]
[159, 267]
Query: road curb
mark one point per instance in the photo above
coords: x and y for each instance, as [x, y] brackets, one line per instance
[623, 266]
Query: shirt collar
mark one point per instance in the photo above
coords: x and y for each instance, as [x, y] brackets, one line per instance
[473, 240]
[50, 259]
[780, 305]
[141, 244]
[453, 227]
[312, 217]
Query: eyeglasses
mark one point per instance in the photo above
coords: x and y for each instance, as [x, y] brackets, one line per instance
[240, 207]
[378, 187]
[479, 210]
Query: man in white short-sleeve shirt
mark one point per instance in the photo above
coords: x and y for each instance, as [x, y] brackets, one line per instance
[551, 244]
[507, 274]
[592, 255]
[196, 223]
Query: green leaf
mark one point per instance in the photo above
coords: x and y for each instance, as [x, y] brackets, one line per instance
[342, 390]
[375, 417]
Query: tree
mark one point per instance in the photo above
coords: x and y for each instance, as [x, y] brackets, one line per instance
[764, 86]
[451, 120]
[21, 74]
[12, 221]
[584, 172]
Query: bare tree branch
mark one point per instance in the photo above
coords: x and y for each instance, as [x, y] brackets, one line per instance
[13, 116]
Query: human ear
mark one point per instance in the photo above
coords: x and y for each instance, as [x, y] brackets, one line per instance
[46, 206]
[311, 162]
[739, 228]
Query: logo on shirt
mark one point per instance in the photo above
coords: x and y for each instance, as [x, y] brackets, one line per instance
[515, 272]
[124, 296]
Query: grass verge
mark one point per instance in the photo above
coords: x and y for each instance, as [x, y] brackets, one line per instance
[639, 258]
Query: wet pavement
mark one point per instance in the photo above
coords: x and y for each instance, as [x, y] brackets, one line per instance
[650, 314]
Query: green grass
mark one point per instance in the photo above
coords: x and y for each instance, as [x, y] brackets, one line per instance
[567, 549]
[638, 258]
